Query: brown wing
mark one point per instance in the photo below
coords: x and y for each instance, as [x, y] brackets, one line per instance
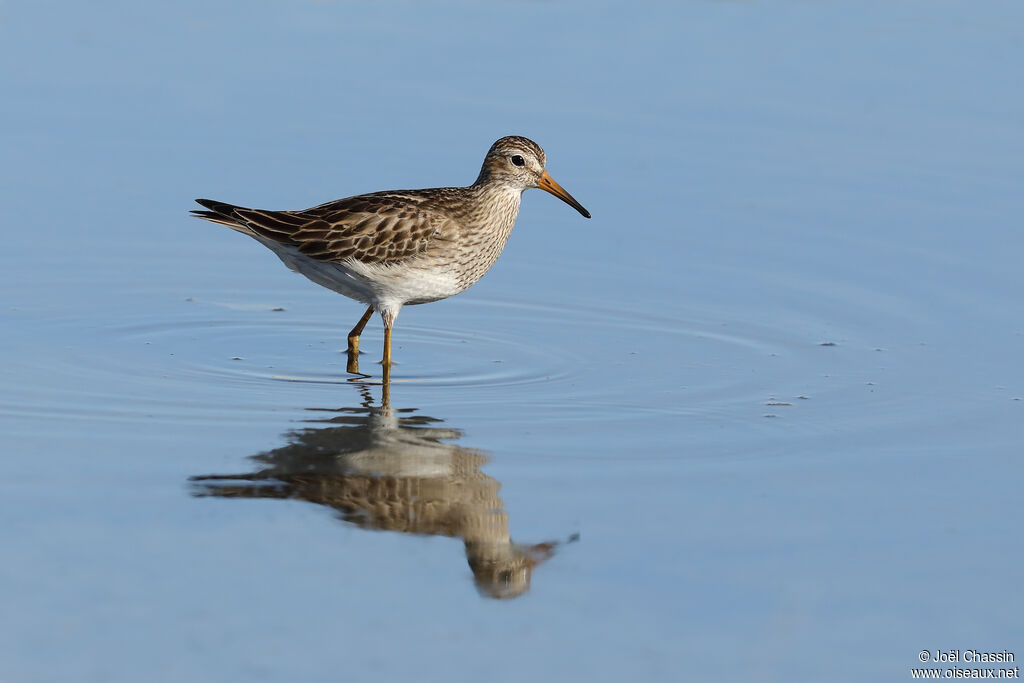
[380, 228]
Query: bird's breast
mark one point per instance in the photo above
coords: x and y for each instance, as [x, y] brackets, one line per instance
[482, 237]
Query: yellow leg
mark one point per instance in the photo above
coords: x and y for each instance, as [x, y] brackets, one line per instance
[387, 315]
[353, 336]
[386, 361]
[353, 342]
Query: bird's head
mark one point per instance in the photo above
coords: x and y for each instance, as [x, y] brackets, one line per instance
[518, 162]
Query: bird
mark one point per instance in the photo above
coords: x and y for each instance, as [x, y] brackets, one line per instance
[401, 247]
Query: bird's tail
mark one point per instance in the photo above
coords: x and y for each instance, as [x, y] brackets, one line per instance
[221, 212]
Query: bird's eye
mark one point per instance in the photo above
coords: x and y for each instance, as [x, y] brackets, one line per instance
[517, 160]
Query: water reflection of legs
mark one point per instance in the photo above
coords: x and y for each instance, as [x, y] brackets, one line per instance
[391, 470]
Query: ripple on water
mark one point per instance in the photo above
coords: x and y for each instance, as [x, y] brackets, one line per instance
[307, 351]
[224, 364]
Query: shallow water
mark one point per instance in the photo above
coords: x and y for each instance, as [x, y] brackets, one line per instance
[759, 419]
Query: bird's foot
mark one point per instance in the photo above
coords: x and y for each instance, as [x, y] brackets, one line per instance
[353, 362]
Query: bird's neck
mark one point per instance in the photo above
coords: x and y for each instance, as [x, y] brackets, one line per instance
[497, 205]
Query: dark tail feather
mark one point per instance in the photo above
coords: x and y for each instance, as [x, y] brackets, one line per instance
[219, 212]
[222, 208]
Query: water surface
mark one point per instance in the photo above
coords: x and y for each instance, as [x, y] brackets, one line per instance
[760, 419]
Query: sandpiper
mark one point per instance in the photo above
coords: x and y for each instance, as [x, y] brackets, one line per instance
[402, 247]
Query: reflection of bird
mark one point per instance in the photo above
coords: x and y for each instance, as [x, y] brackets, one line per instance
[393, 248]
[391, 473]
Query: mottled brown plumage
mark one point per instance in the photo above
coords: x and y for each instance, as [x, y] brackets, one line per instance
[403, 247]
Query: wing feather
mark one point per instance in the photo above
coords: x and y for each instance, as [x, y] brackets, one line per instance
[379, 228]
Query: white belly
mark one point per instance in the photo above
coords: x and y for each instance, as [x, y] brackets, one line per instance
[373, 284]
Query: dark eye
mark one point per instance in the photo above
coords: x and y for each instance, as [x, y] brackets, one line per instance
[517, 160]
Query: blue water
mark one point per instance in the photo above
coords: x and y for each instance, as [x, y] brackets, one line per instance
[761, 418]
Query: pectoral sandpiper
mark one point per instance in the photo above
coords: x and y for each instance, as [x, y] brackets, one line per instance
[393, 248]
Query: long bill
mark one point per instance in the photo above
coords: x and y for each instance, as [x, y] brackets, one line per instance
[548, 185]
